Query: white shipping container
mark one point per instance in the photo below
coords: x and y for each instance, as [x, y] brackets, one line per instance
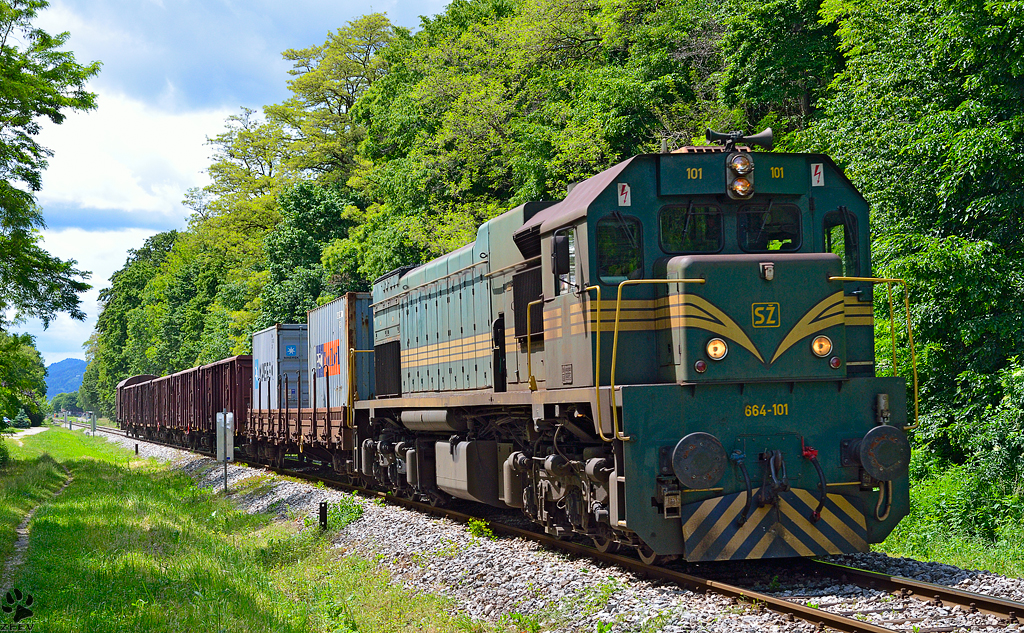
[278, 352]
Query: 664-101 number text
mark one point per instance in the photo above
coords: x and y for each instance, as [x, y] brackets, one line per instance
[754, 410]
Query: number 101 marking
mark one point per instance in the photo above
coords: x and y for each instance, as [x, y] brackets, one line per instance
[695, 173]
[777, 172]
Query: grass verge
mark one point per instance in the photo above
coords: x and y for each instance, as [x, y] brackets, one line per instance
[24, 484]
[931, 531]
[131, 545]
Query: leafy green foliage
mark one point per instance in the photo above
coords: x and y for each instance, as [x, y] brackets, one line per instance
[116, 350]
[313, 217]
[779, 59]
[37, 81]
[66, 402]
[322, 138]
[22, 378]
[479, 528]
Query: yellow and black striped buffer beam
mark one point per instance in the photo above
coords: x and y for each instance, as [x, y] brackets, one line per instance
[711, 528]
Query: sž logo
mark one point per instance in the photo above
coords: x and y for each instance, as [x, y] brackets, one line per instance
[765, 314]
[17, 603]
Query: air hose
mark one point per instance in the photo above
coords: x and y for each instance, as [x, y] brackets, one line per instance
[739, 457]
[884, 494]
[812, 455]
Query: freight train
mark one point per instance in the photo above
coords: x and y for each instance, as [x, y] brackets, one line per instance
[678, 357]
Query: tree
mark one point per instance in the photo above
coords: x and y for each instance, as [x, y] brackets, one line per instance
[779, 60]
[115, 350]
[37, 81]
[238, 207]
[925, 119]
[494, 103]
[314, 217]
[22, 377]
[66, 402]
[328, 81]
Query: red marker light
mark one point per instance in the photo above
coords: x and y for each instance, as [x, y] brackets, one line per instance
[700, 366]
[834, 362]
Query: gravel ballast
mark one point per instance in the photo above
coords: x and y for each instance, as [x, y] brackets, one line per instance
[528, 588]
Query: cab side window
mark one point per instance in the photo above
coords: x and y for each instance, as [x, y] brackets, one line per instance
[841, 239]
[567, 283]
[620, 253]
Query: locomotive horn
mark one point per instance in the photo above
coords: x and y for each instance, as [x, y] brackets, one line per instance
[765, 139]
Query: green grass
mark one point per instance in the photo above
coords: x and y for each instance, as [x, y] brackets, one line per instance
[23, 485]
[938, 528]
[133, 546]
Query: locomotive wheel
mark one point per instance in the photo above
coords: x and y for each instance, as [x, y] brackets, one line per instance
[648, 557]
[437, 501]
[605, 545]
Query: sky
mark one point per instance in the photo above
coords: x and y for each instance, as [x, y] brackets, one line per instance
[173, 71]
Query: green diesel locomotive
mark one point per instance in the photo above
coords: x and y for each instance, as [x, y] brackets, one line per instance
[678, 357]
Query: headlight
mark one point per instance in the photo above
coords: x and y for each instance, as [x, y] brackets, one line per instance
[717, 349]
[742, 187]
[821, 346]
[742, 164]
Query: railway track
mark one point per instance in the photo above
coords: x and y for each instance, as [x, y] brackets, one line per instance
[903, 591]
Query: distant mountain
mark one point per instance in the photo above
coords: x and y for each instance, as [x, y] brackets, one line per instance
[64, 377]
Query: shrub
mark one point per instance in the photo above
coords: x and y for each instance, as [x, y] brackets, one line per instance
[5, 454]
[21, 421]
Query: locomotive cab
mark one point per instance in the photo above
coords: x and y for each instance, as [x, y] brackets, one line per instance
[753, 374]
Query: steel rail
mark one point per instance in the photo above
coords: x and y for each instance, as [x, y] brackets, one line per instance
[937, 595]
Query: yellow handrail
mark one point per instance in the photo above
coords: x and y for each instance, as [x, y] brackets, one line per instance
[892, 329]
[350, 414]
[615, 340]
[597, 364]
[529, 337]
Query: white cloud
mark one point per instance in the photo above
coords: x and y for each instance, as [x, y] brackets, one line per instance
[128, 156]
[102, 253]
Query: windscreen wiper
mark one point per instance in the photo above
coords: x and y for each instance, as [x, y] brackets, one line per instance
[686, 224]
[626, 229]
[764, 220]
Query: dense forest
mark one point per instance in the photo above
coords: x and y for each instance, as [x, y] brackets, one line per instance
[396, 145]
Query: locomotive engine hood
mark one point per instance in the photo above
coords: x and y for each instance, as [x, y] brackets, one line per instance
[778, 314]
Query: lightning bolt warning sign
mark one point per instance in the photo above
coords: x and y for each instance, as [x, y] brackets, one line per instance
[817, 175]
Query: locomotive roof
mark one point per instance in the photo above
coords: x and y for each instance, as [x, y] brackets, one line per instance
[576, 204]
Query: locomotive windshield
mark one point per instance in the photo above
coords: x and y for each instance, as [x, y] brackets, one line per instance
[769, 227]
[691, 228]
[620, 253]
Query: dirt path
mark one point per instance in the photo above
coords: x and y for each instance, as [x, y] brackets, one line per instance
[27, 432]
[21, 545]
